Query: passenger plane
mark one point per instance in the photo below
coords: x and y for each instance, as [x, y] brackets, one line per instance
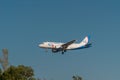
[63, 47]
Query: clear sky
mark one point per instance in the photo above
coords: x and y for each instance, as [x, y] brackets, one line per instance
[26, 23]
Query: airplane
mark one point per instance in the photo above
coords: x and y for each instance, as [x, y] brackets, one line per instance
[63, 47]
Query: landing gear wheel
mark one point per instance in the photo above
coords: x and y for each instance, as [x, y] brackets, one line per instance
[62, 52]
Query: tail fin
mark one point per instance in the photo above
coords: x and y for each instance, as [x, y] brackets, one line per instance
[85, 41]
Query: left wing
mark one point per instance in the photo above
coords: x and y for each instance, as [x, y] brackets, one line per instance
[64, 46]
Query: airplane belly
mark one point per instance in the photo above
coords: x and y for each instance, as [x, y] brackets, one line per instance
[72, 46]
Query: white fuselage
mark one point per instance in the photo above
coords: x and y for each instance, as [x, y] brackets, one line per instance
[51, 45]
[56, 46]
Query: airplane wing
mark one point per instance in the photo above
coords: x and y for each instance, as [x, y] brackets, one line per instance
[64, 46]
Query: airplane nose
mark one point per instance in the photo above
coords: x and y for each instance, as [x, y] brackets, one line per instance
[40, 45]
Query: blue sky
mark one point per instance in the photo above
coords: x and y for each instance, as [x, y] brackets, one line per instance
[26, 23]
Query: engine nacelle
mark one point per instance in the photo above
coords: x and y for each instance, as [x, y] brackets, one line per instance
[54, 50]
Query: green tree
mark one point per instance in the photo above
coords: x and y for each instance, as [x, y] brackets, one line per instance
[20, 72]
[77, 78]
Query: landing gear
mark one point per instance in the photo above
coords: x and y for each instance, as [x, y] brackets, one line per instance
[65, 50]
[62, 52]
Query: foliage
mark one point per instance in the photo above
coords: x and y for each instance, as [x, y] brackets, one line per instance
[77, 78]
[20, 72]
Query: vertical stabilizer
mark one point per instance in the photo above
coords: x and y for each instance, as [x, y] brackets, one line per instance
[85, 41]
